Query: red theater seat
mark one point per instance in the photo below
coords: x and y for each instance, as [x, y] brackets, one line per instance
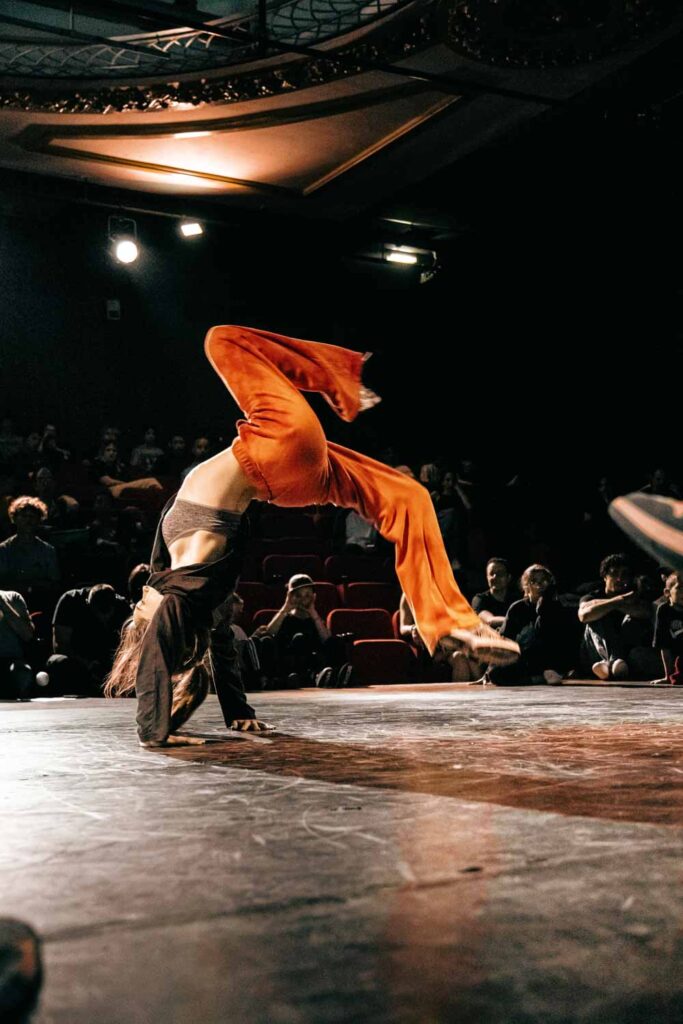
[382, 661]
[347, 568]
[256, 596]
[280, 567]
[262, 618]
[365, 624]
[372, 595]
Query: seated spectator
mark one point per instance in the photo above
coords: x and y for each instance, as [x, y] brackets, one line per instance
[51, 454]
[610, 648]
[145, 456]
[296, 648]
[430, 477]
[108, 435]
[106, 532]
[492, 605]
[111, 473]
[11, 443]
[28, 563]
[668, 638]
[201, 451]
[86, 630]
[544, 630]
[659, 482]
[461, 668]
[30, 459]
[136, 581]
[247, 663]
[16, 630]
[448, 496]
[176, 458]
[62, 509]
[360, 535]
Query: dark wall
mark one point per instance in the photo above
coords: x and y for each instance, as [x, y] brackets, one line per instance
[550, 337]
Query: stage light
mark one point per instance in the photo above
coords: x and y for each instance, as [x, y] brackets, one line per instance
[126, 251]
[191, 228]
[123, 234]
[409, 259]
[408, 255]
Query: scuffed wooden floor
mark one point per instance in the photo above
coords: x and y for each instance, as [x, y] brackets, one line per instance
[444, 854]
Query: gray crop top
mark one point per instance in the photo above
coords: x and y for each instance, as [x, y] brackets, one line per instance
[187, 516]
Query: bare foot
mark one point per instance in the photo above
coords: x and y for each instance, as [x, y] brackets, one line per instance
[250, 725]
[368, 398]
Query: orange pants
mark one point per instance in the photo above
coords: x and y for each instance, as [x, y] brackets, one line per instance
[284, 453]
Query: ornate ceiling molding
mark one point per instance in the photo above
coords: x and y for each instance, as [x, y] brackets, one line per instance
[552, 33]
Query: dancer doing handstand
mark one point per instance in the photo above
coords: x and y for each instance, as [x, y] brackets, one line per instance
[280, 456]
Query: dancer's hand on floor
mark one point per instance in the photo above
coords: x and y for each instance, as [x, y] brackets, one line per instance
[250, 725]
[176, 741]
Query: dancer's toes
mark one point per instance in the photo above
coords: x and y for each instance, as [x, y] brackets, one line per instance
[368, 398]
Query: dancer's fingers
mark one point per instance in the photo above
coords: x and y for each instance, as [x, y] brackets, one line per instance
[250, 725]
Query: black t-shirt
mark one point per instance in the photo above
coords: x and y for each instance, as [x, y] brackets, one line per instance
[486, 602]
[669, 629]
[92, 638]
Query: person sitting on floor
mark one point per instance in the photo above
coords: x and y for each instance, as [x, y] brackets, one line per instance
[668, 638]
[492, 605]
[458, 666]
[543, 628]
[607, 612]
[16, 630]
[86, 630]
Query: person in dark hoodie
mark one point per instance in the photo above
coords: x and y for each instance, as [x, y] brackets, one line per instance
[281, 456]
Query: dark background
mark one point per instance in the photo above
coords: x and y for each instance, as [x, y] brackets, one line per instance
[549, 340]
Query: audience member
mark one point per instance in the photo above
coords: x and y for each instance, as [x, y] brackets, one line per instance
[86, 630]
[608, 649]
[543, 628]
[668, 638]
[146, 456]
[492, 605]
[303, 650]
[16, 630]
[201, 451]
[28, 563]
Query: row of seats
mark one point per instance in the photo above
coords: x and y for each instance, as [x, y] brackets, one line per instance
[377, 652]
[262, 598]
[270, 568]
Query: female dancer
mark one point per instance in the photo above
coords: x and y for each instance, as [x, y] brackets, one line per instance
[281, 456]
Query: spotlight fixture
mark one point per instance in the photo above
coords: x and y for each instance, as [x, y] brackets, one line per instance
[408, 256]
[123, 234]
[191, 228]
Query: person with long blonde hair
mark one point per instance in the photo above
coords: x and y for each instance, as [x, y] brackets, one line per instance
[280, 455]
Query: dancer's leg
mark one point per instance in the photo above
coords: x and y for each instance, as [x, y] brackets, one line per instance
[283, 451]
[403, 512]
[281, 446]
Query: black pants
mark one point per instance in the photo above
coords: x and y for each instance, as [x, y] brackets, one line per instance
[72, 676]
[16, 679]
[298, 656]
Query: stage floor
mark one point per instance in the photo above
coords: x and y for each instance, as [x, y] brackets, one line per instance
[397, 854]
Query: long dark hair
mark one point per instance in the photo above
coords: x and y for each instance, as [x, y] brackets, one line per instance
[190, 680]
